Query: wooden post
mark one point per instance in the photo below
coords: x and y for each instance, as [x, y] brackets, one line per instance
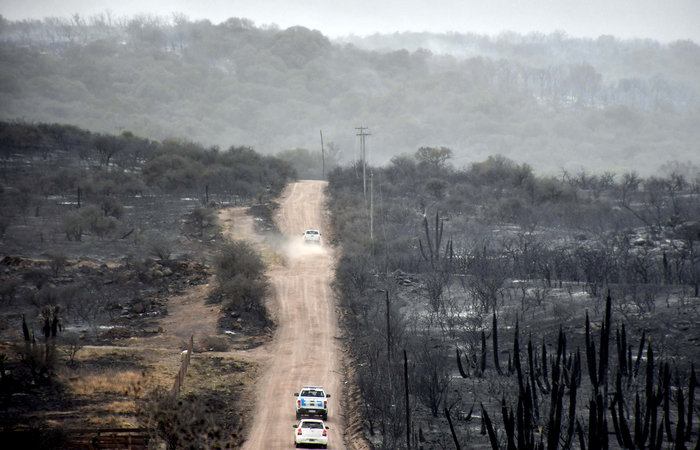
[408, 409]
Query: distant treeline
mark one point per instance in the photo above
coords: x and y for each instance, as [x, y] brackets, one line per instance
[548, 100]
[58, 160]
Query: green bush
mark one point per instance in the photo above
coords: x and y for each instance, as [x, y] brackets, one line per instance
[242, 283]
[238, 258]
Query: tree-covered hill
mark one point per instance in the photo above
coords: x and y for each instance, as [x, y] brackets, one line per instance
[551, 101]
[67, 190]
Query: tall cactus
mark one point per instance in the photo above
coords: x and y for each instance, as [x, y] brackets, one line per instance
[604, 343]
[599, 374]
[691, 393]
[555, 409]
[545, 364]
[433, 255]
[494, 336]
[482, 359]
[464, 373]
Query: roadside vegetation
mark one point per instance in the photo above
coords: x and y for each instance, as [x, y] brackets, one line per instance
[98, 233]
[534, 311]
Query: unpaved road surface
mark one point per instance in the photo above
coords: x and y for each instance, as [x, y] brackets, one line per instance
[304, 349]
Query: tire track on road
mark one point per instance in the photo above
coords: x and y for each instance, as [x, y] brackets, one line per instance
[304, 350]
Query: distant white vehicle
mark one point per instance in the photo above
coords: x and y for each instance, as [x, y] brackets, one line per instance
[311, 432]
[312, 237]
[312, 401]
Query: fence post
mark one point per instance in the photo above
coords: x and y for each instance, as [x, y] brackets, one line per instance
[180, 378]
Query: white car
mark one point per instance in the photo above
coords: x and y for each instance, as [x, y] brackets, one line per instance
[312, 237]
[311, 432]
[312, 401]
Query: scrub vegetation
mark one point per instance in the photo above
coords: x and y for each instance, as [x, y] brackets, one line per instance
[532, 311]
[100, 233]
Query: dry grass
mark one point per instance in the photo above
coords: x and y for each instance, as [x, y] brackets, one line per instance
[274, 258]
[110, 381]
[103, 420]
[217, 373]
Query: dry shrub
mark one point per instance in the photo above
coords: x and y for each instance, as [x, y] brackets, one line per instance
[181, 422]
[214, 344]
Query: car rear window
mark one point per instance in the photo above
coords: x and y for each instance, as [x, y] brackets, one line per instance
[312, 425]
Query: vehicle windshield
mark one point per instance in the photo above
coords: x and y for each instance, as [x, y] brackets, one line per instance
[316, 425]
[312, 394]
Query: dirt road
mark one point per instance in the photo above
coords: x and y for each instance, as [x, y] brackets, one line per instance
[304, 350]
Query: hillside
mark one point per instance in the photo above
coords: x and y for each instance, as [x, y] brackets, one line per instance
[551, 101]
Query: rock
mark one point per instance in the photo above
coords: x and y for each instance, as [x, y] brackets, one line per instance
[139, 308]
[125, 277]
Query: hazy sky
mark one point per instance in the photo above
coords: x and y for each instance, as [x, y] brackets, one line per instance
[663, 20]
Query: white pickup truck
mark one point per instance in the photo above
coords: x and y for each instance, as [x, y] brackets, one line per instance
[312, 237]
[312, 401]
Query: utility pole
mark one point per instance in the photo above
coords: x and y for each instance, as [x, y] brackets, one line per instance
[371, 210]
[323, 158]
[408, 408]
[363, 158]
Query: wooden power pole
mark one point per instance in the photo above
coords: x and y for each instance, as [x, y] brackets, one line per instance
[363, 158]
[323, 157]
[371, 210]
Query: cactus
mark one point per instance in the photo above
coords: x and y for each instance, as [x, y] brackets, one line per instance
[666, 377]
[639, 354]
[452, 429]
[510, 364]
[516, 358]
[621, 343]
[545, 363]
[680, 424]
[599, 377]
[622, 431]
[495, 345]
[590, 355]
[464, 373]
[433, 254]
[482, 359]
[533, 369]
[486, 421]
[25, 330]
[572, 401]
[604, 343]
[555, 409]
[691, 393]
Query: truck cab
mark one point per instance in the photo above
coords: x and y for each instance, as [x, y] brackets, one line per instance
[312, 401]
